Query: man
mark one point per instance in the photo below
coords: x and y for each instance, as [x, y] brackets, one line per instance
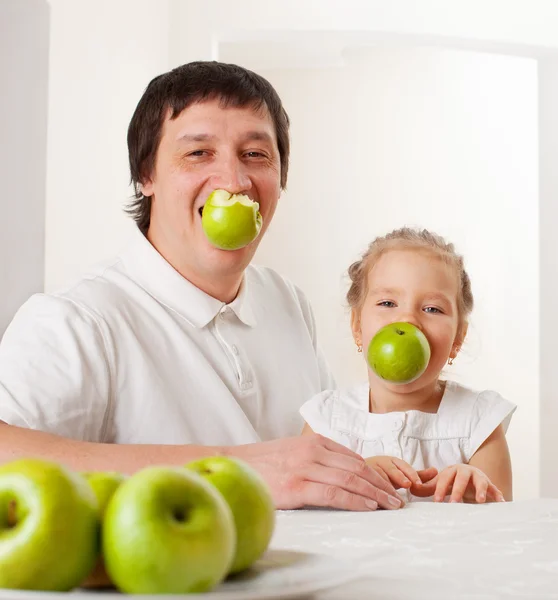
[175, 349]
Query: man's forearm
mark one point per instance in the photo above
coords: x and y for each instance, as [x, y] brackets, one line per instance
[17, 442]
[304, 470]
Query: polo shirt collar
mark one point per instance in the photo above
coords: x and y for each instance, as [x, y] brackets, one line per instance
[156, 276]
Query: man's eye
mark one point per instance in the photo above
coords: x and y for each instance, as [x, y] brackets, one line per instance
[197, 153]
[387, 303]
[253, 154]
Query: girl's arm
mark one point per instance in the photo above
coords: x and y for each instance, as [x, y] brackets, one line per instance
[493, 459]
[487, 476]
[307, 430]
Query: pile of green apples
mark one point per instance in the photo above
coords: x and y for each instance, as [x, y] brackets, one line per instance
[163, 530]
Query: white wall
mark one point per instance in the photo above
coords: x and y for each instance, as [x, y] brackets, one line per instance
[102, 56]
[548, 119]
[24, 41]
[441, 139]
[125, 43]
[198, 28]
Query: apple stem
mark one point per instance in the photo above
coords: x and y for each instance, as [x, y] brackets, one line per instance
[179, 515]
[399, 332]
[12, 520]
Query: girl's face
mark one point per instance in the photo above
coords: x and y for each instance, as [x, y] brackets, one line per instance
[418, 287]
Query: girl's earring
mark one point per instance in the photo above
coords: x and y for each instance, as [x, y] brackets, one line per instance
[452, 358]
[359, 348]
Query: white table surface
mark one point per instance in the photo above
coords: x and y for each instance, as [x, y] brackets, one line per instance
[435, 551]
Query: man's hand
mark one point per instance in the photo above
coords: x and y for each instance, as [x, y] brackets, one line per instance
[465, 484]
[312, 470]
[399, 473]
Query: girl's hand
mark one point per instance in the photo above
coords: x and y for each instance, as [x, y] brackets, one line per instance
[399, 473]
[465, 484]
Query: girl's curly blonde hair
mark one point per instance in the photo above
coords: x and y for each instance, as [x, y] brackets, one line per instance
[406, 237]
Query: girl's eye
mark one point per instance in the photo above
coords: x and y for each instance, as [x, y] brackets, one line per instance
[432, 310]
[387, 303]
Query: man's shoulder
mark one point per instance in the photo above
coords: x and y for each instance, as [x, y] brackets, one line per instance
[99, 290]
[83, 307]
[268, 282]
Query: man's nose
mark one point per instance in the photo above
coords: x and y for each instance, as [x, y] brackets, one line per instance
[232, 176]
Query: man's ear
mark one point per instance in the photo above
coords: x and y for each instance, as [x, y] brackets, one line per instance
[146, 187]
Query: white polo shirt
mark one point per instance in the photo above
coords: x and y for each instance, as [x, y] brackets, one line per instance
[134, 353]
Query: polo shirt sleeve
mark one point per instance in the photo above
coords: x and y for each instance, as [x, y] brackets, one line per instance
[54, 370]
[318, 413]
[327, 380]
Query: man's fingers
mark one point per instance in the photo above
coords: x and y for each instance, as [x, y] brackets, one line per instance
[338, 448]
[355, 465]
[350, 482]
[331, 496]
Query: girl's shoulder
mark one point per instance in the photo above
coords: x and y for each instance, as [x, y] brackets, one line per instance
[459, 400]
[356, 396]
[476, 413]
[323, 410]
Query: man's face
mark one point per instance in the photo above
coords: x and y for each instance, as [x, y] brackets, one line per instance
[205, 148]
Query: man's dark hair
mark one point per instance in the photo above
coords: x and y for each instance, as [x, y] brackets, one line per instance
[176, 90]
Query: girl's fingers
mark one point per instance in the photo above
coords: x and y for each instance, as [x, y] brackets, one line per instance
[460, 484]
[444, 485]
[425, 490]
[407, 470]
[397, 476]
[352, 463]
[493, 494]
[382, 473]
[427, 475]
[480, 482]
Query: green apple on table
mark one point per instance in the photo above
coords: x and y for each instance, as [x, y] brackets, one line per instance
[231, 221]
[49, 520]
[167, 531]
[103, 484]
[399, 353]
[250, 501]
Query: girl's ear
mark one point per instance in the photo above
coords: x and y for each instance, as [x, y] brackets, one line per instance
[459, 339]
[355, 327]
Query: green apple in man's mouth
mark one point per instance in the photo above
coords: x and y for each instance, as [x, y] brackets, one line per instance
[230, 221]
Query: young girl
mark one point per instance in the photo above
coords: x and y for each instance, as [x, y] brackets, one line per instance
[430, 437]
